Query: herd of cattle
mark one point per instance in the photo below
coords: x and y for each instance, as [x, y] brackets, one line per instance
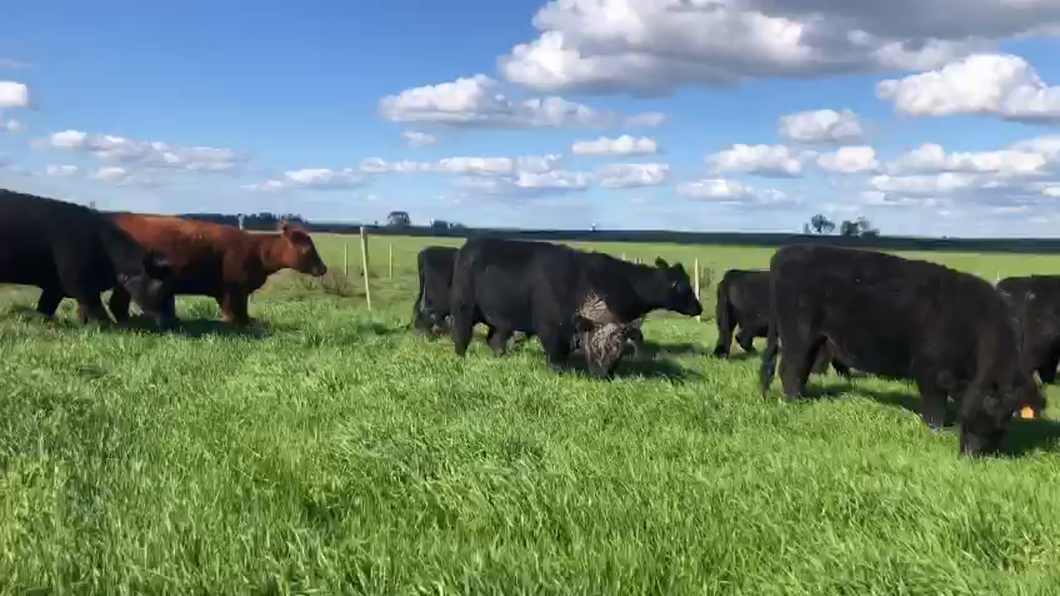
[956, 335]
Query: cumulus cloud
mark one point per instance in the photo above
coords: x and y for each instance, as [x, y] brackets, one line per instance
[774, 161]
[728, 192]
[1002, 85]
[9, 125]
[854, 159]
[623, 145]
[931, 157]
[483, 166]
[150, 155]
[61, 171]
[478, 101]
[419, 139]
[821, 127]
[944, 183]
[630, 175]
[14, 95]
[311, 179]
[1052, 191]
[653, 46]
[122, 177]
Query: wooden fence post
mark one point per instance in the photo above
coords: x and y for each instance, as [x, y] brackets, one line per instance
[391, 261]
[364, 264]
[695, 281]
[346, 259]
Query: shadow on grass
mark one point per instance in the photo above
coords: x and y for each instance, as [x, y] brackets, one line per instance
[1023, 435]
[200, 327]
[631, 366]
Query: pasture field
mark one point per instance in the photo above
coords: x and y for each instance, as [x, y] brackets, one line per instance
[333, 451]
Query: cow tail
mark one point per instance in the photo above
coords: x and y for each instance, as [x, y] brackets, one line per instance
[769, 357]
[722, 317]
[419, 294]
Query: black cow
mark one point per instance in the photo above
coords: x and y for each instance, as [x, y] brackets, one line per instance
[1035, 302]
[743, 301]
[435, 266]
[541, 288]
[949, 331]
[68, 250]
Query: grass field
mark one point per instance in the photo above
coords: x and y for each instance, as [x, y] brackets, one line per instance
[335, 452]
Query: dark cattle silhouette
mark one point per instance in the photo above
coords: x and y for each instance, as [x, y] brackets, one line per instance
[743, 301]
[435, 268]
[950, 331]
[68, 250]
[1035, 302]
[556, 292]
[220, 261]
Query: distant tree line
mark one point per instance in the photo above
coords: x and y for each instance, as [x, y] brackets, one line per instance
[858, 228]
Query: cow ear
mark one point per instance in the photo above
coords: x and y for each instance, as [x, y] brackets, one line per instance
[661, 263]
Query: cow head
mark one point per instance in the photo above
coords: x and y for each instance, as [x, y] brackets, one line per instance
[152, 290]
[678, 295]
[299, 251]
[987, 412]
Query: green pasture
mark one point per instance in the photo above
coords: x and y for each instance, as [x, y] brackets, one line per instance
[331, 451]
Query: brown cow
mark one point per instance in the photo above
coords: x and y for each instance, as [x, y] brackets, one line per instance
[217, 260]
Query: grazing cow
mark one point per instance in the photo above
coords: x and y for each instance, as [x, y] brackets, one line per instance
[949, 331]
[435, 267]
[219, 261]
[541, 288]
[743, 301]
[68, 250]
[1035, 302]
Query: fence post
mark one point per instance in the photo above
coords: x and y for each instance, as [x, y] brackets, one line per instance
[695, 281]
[364, 264]
[391, 261]
[623, 256]
[346, 259]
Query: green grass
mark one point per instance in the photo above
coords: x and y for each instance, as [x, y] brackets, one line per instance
[338, 453]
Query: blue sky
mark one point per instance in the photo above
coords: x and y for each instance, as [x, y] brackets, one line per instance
[346, 111]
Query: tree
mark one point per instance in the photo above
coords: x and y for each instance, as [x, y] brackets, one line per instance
[398, 219]
[821, 224]
[439, 225]
[860, 227]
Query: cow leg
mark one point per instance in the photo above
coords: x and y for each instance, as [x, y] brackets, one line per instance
[932, 404]
[461, 329]
[796, 360]
[119, 302]
[840, 368]
[557, 346]
[90, 308]
[49, 302]
[497, 338]
[234, 306]
[821, 361]
[746, 341]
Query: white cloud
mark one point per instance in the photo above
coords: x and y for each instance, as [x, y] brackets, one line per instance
[623, 145]
[122, 177]
[110, 173]
[716, 188]
[854, 159]
[1052, 192]
[151, 155]
[997, 84]
[931, 157]
[944, 183]
[483, 166]
[12, 125]
[654, 46]
[311, 179]
[821, 126]
[14, 95]
[61, 171]
[761, 160]
[1047, 146]
[477, 101]
[419, 139]
[629, 175]
[527, 184]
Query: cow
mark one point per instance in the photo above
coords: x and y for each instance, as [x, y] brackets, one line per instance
[435, 268]
[1035, 302]
[949, 331]
[541, 288]
[217, 260]
[743, 301]
[69, 250]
